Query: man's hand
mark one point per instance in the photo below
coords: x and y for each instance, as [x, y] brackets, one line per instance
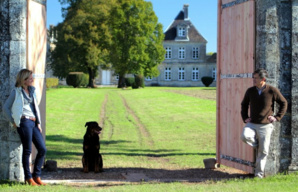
[271, 119]
[14, 125]
[247, 120]
[39, 127]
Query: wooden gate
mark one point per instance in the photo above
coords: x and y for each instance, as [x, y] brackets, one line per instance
[235, 64]
[36, 52]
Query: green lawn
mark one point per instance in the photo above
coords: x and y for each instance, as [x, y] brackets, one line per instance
[137, 124]
[151, 128]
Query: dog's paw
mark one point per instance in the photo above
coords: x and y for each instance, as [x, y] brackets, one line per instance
[85, 169]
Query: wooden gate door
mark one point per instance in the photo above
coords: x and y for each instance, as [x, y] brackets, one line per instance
[36, 52]
[235, 64]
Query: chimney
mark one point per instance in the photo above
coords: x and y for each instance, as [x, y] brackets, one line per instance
[185, 10]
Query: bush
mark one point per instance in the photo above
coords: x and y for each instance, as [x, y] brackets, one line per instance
[52, 82]
[85, 80]
[76, 79]
[129, 81]
[139, 82]
[154, 84]
[207, 80]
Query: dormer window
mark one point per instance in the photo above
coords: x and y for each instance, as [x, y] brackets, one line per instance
[181, 31]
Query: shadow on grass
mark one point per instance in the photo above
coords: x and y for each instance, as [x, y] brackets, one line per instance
[8, 183]
[55, 154]
[66, 153]
[63, 138]
[152, 154]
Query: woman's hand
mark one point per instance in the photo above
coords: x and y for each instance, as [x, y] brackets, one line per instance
[247, 120]
[14, 125]
[39, 127]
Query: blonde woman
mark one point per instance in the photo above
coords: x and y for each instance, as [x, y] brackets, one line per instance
[21, 109]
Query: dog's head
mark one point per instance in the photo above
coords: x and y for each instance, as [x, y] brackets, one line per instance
[93, 127]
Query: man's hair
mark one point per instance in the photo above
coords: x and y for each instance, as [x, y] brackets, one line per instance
[262, 73]
[22, 76]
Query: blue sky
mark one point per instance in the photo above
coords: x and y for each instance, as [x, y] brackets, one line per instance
[202, 13]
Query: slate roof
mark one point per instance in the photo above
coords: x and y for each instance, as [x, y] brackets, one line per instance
[193, 34]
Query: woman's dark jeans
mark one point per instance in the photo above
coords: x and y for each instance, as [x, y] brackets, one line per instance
[29, 133]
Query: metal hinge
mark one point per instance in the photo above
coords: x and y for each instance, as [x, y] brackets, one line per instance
[237, 160]
[233, 3]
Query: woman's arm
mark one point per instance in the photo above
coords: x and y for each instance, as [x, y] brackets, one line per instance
[7, 106]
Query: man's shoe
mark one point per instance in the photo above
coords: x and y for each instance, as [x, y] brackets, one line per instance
[259, 175]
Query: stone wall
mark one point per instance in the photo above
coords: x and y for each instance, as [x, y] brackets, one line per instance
[12, 59]
[294, 125]
[274, 52]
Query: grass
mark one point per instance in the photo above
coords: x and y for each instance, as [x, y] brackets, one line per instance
[134, 126]
[152, 128]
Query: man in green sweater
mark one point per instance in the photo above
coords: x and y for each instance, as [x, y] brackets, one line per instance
[260, 99]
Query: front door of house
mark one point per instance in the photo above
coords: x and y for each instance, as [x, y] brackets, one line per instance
[106, 77]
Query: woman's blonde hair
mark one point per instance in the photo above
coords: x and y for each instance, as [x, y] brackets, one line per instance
[22, 76]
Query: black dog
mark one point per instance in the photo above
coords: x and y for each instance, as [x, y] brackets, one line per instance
[92, 160]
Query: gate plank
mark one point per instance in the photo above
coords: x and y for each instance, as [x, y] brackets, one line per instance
[36, 54]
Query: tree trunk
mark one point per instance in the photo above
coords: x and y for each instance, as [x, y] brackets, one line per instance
[91, 78]
[121, 81]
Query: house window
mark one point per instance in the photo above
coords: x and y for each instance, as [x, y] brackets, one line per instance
[168, 73]
[214, 73]
[117, 77]
[195, 52]
[195, 74]
[148, 78]
[181, 74]
[181, 53]
[168, 53]
[181, 31]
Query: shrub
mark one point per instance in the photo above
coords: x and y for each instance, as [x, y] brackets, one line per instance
[75, 79]
[129, 81]
[207, 80]
[154, 84]
[52, 82]
[139, 82]
[85, 80]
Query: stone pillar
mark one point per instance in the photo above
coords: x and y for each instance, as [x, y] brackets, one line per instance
[274, 52]
[12, 59]
[294, 129]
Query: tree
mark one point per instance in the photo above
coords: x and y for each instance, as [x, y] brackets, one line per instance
[83, 38]
[137, 37]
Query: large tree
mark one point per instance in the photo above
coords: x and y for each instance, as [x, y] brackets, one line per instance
[137, 37]
[83, 38]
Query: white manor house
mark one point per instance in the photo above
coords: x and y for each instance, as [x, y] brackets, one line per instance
[185, 61]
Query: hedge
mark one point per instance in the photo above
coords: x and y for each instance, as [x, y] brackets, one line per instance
[52, 82]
